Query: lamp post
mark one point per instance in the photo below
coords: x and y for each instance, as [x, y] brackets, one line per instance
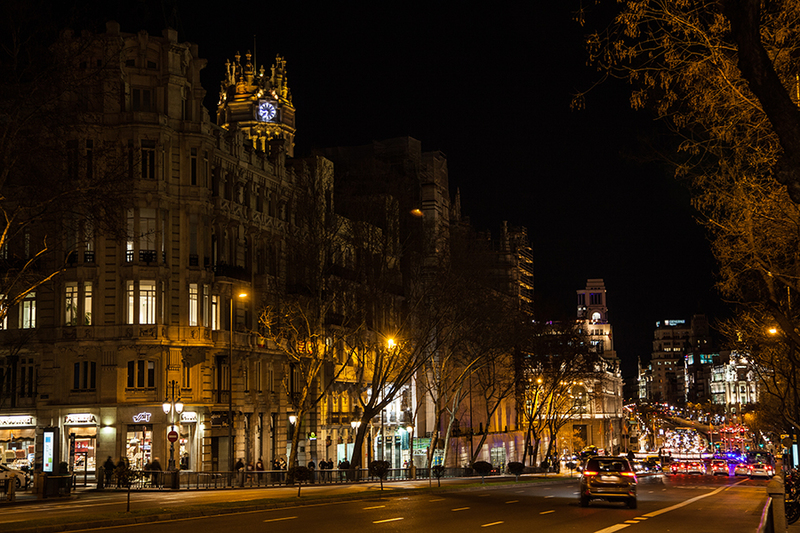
[230, 385]
[172, 405]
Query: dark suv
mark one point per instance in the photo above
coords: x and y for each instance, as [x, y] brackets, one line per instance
[608, 478]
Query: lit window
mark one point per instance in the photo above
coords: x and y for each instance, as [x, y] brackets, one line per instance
[147, 302]
[71, 303]
[87, 303]
[27, 316]
[215, 312]
[193, 304]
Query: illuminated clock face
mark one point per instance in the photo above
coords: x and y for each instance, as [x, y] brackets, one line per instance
[266, 111]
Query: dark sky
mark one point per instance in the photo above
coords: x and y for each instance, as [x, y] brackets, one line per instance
[490, 87]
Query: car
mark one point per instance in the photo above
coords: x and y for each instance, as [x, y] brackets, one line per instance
[610, 479]
[695, 467]
[678, 467]
[761, 470]
[741, 469]
[20, 477]
[719, 467]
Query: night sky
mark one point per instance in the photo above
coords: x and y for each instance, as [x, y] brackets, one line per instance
[490, 87]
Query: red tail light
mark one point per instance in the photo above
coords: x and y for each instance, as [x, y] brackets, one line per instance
[590, 473]
[629, 474]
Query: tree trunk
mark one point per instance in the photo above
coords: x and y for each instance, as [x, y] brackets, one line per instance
[480, 445]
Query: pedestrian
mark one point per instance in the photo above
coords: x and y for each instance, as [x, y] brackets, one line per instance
[108, 467]
[239, 469]
[259, 470]
[155, 468]
[282, 464]
[119, 470]
[330, 469]
[276, 466]
[311, 467]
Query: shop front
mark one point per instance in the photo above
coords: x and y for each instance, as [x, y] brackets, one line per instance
[139, 440]
[186, 458]
[17, 440]
[80, 433]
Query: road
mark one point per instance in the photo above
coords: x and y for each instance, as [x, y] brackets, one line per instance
[666, 503]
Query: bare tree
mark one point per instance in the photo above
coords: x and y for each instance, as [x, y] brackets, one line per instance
[723, 77]
[555, 369]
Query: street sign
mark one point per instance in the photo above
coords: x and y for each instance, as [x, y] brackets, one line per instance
[172, 436]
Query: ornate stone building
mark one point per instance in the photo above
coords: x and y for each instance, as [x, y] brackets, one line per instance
[157, 315]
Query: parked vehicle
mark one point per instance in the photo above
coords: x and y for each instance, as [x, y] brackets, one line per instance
[20, 478]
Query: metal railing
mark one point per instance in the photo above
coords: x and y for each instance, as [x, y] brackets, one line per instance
[190, 480]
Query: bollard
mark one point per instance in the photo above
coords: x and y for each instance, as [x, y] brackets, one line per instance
[775, 491]
[11, 488]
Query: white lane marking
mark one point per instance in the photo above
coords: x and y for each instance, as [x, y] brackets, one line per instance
[280, 519]
[548, 512]
[387, 520]
[437, 500]
[460, 509]
[376, 507]
[551, 496]
[683, 504]
[611, 529]
[492, 524]
[512, 501]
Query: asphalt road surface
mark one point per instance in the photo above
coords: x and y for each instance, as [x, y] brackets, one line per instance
[682, 503]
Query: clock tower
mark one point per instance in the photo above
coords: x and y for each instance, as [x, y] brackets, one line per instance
[258, 105]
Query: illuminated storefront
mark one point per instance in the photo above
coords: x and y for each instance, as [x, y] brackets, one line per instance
[80, 430]
[139, 441]
[17, 440]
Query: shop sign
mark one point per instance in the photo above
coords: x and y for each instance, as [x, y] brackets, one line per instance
[142, 417]
[188, 417]
[77, 419]
[15, 421]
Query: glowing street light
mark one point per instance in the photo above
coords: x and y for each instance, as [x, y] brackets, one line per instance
[241, 295]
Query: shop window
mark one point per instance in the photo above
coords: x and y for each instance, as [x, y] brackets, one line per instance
[139, 445]
[85, 439]
[83, 375]
[141, 374]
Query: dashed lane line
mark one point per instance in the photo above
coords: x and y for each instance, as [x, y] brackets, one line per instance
[280, 519]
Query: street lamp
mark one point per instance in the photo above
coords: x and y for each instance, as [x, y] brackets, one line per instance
[241, 295]
[172, 405]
